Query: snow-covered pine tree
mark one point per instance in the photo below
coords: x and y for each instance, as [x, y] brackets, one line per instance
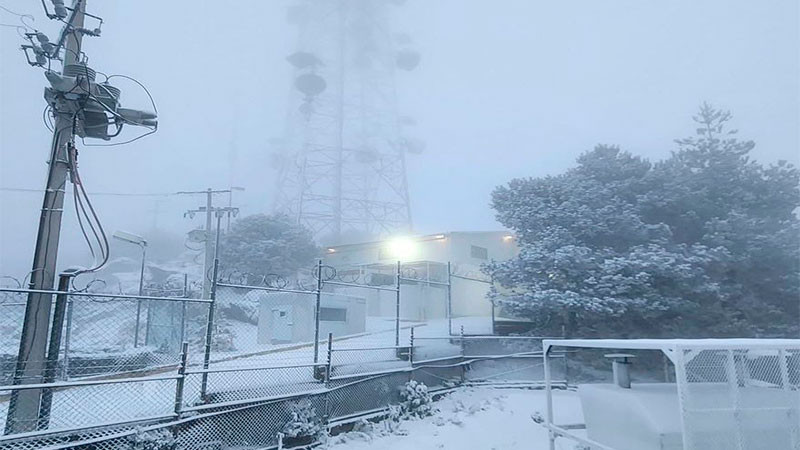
[704, 243]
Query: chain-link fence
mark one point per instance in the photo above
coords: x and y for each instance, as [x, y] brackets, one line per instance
[253, 350]
[101, 337]
[714, 394]
[12, 313]
[99, 332]
[227, 404]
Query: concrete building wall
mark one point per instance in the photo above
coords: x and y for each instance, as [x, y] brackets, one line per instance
[466, 251]
[469, 299]
[418, 302]
[288, 317]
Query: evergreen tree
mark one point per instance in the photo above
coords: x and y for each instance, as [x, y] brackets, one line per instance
[704, 243]
[267, 244]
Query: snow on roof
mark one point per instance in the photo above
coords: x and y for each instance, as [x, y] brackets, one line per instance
[674, 344]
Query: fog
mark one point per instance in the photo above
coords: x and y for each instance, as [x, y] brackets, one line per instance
[504, 89]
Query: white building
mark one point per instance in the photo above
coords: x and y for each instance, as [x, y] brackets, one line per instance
[285, 317]
[424, 258]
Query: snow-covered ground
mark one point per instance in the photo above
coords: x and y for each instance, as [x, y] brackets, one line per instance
[471, 418]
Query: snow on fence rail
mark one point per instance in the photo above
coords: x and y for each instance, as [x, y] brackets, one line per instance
[250, 404]
[689, 394]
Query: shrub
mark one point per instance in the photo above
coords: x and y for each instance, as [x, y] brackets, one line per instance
[417, 401]
[304, 421]
[152, 440]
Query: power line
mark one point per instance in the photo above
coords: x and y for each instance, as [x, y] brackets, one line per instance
[114, 194]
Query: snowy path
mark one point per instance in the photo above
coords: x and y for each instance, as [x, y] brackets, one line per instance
[472, 418]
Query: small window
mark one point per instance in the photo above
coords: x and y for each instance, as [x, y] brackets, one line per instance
[333, 314]
[479, 252]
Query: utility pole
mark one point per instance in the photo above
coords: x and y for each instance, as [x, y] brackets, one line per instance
[210, 247]
[31, 361]
[80, 106]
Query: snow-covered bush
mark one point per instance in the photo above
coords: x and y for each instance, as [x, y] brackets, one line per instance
[152, 440]
[304, 421]
[417, 401]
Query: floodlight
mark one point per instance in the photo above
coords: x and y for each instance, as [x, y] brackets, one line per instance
[508, 237]
[129, 237]
[402, 248]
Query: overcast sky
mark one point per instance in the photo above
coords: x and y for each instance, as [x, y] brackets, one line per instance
[506, 88]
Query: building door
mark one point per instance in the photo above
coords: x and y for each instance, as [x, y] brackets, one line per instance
[282, 323]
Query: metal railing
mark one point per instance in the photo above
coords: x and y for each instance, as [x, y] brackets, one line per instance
[708, 393]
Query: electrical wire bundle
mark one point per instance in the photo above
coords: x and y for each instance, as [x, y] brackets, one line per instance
[87, 216]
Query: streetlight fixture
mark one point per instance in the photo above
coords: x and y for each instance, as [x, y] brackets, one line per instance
[140, 241]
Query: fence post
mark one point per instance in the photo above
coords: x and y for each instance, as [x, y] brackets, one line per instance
[149, 321]
[565, 351]
[183, 321]
[181, 381]
[330, 358]
[397, 310]
[548, 386]
[67, 338]
[461, 340]
[463, 366]
[54, 348]
[317, 306]
[183, 305]
[411, 355]
[449, 300]
[411, 348]
[209, 331]
[138, 320]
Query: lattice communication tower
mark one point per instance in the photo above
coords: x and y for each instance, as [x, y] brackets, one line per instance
[342, 160]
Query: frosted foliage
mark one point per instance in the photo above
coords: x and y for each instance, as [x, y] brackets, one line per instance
[417, 401]
[304, 420]
[152, 440]
[703, 243]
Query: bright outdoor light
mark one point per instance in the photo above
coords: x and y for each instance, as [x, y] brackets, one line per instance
[402, 248]
[508, 237]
